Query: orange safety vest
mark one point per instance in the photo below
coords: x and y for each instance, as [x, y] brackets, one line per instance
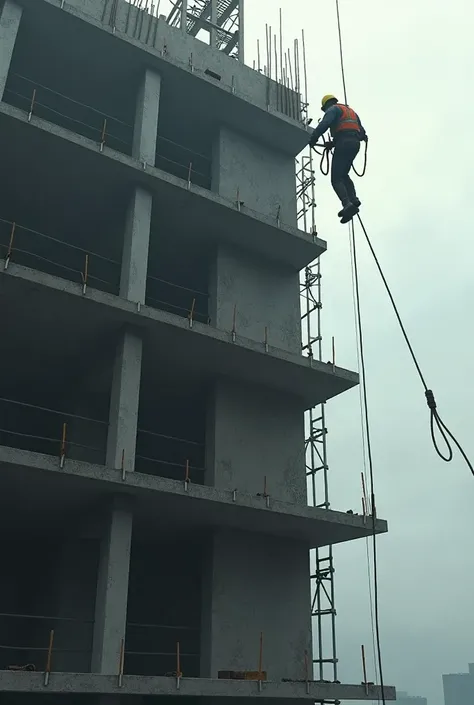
[348, 120]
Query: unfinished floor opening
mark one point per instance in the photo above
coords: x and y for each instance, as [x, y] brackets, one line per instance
[171, 421]
[178, 271]
[61, 81]
[164, 607]
[65, 221]
[48, 595]
[55, 397]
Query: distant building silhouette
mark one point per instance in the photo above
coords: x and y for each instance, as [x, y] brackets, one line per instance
[405, 699]
[459, 687]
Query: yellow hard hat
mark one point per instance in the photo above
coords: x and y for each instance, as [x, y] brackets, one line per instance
[327, 98]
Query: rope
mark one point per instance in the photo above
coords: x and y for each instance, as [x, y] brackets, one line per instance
[364, 398]
[364, 459]
[370, 461]
[436, 422]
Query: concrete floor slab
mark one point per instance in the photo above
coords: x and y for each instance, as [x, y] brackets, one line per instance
[239, 98]
[89, 683]
[213, 352]
[190, 208]
[48, 493]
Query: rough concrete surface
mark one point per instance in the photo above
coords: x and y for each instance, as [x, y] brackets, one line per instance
[133, 685]
[124, 570]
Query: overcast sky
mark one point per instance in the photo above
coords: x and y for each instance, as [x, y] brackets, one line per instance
[408, 67]
[408, 70]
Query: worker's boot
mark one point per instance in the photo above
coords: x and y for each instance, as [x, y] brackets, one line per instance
[356, 203]
[349, 210]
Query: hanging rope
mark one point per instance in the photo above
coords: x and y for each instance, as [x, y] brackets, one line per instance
[364, 399]
[370, 462]
[436, 422]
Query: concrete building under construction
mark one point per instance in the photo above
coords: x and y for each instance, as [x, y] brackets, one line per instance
[153, 461]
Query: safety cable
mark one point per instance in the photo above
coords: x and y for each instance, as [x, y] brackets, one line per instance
[436, 421]
[364, 397]
[369, 457]
[365, 470]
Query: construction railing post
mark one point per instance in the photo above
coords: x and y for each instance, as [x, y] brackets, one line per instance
[178, 666]
[364, 670]
[121, 662]
[191, 313]
[260, 660]
[85, 274]
[49, 657]
[10, 246]
[102, 137]
[62, 452]
[186, 476]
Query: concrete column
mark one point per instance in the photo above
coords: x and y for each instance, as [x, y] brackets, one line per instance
[265, 297]
[112, 587]
[135, 246]
[264, 178]
[138, 225]
[123, 415]
[10, 16]
[146, 118]
[253, 433]
[249, 582]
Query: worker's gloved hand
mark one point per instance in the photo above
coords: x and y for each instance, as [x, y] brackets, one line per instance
[365, 139]
[329, 144]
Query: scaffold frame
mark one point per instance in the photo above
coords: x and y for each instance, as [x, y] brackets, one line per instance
[323, 611]
[222, 19]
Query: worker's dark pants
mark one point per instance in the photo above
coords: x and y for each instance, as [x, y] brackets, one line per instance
[346, 149]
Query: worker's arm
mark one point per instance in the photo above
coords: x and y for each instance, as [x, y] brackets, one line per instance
[330, 117]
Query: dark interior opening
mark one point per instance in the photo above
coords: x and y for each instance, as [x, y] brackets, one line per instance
[55, 397]
[48, 591]
[178, 272]
[164, 607]
[61, 81]
[66, 219]
[171, 422]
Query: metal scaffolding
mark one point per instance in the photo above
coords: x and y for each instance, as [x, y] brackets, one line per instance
[223, 20]
[322, 566]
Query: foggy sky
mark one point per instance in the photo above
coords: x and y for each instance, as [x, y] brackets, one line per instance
[407, 64]
[408, 67]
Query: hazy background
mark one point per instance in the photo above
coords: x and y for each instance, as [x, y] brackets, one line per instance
[408, 68]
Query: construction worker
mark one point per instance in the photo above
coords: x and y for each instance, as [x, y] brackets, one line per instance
[347, 133]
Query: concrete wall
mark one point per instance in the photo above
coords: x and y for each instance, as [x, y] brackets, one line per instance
[249, 585]
[183, 49]
[263, 295]
[264, 178]
[10, 16]
[251, 433]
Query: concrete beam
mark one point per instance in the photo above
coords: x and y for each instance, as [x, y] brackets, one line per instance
[161, 501]
[241, 97]
[214, 352]
[209, 216]
[112, 587]
[145, 131]
[10, 16]
[89, 683]
[124, 400]
[135, 246]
